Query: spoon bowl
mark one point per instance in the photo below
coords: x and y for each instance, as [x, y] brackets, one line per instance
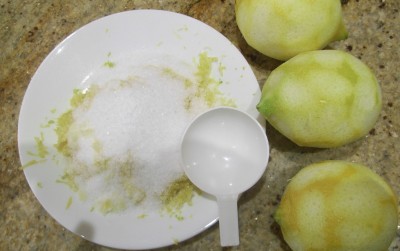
[224, 153]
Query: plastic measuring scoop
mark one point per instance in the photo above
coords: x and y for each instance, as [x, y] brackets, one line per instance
[224, 153]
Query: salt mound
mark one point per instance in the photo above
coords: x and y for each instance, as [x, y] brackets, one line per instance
[125, 137]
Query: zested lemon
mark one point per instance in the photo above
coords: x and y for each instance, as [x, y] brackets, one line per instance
[340, 206]
[323, 99]
[282, 29]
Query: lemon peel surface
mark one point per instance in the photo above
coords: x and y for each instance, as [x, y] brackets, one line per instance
[322, 99]
[282, 29]
[338, 205]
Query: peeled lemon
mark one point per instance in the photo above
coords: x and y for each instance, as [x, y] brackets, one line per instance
[282, 29]
[340, 206]
[323, 99]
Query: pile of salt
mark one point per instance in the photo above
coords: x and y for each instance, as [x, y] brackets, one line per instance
[125, 137]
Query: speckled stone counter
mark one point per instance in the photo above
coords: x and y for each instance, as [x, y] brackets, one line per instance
[29, 30]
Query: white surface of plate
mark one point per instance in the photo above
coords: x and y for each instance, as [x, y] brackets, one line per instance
[77, 62]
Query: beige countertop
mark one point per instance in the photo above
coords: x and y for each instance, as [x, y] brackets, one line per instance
[29, 30]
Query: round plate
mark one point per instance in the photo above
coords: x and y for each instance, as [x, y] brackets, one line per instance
[79, 61]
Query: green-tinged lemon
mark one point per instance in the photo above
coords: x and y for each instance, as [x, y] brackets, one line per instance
[322, 99]
[338, 206]
[282, 29]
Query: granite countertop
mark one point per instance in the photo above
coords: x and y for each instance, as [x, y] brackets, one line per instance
[29, 30]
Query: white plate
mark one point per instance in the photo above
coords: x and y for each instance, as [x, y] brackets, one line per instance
[76, 63]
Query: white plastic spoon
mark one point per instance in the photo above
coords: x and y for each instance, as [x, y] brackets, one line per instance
[224, 153]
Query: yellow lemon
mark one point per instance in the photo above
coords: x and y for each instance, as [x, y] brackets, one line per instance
[338, 206]
[323, 99]
[282, 29]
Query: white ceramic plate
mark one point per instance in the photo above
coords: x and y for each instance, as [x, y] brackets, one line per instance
[77, 62]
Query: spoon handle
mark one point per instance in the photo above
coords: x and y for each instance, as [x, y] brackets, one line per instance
[228, 220]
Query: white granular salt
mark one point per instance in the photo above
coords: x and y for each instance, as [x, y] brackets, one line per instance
[122, 143]
[129, 133]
